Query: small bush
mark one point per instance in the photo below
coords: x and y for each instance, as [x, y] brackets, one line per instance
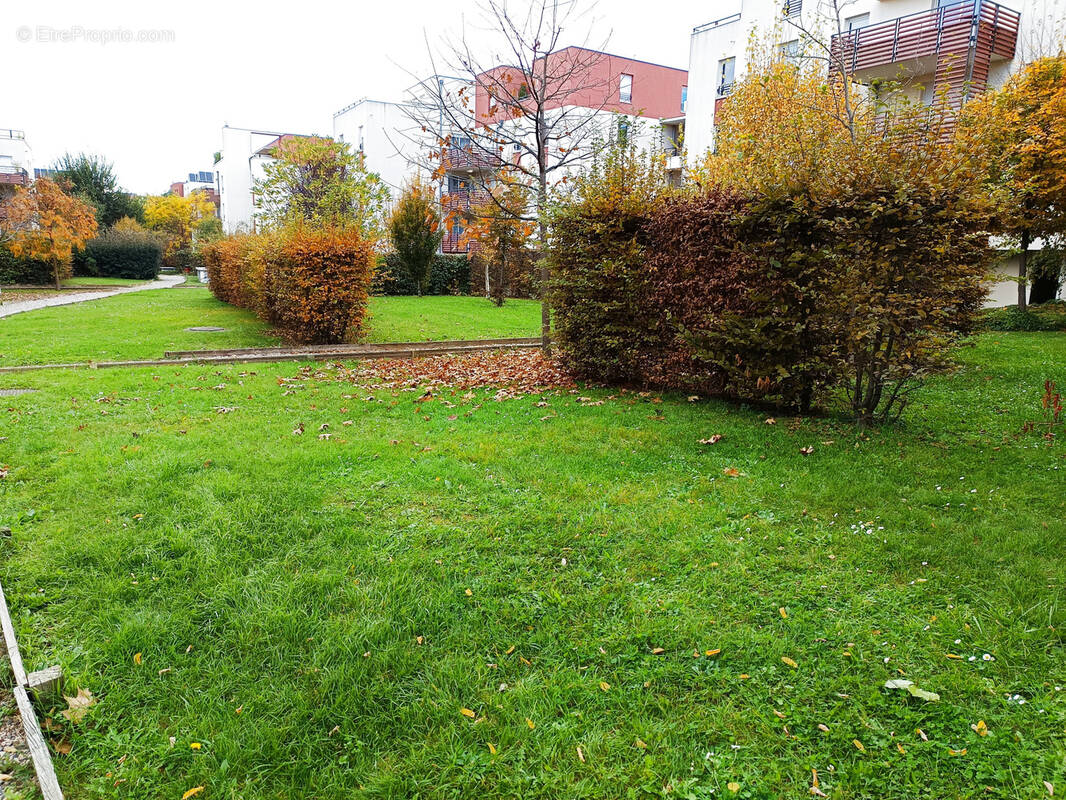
[121, 254]
[449, 274]
[21, 270]
[316, 284]
[1044, 317]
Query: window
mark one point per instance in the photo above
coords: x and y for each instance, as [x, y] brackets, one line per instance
[625, 89]
[793, 8]
[726, 73]
[456, 185]
[623, 131]
[790, 51]
[684, 98]
[361, 139]
[858, 21]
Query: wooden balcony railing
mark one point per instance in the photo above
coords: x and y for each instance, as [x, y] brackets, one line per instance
[947, 30]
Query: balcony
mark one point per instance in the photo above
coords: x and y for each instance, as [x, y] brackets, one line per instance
[11, 133]
[13, 176]
[924, 43]
[463, 200]
[469, 159]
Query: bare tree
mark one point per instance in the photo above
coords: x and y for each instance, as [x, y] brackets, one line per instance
[528, 108]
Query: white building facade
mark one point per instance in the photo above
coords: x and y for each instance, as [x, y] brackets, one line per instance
[16, 160]
[244, 154]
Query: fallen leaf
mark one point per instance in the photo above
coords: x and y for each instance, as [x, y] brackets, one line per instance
[509, 650]
[192, 792]
[815, 788]
[900, 748]
[641, 744]
[711, 653]
[858, 745]
[823, 727]
[62, 747]
[580, 754]
[807, 450]
[469, 592]
[789, 661]
[657, 651]
[733, 786]
[1050, 788]
[137, 658]
[771, 421]
[715, 439]
[981, 729]
[604, 685]
[961, 752]
[78, 706]
[731, 472]
[492, 748]
[783, 613]
[529, 722]
[921, 735]
[466, 712]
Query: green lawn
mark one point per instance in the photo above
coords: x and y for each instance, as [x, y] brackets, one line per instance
[126, 326]
[89, 281]
[315, 614]
[406, 319]
[144, 325]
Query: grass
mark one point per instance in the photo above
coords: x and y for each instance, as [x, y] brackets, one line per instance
[139, 325]
[312, 616]
[405, 319]
[90, 281]
[143, 325]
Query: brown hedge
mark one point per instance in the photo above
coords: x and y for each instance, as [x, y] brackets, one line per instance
[312, 285]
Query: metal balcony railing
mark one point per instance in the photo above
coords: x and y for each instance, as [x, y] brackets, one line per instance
[11, 133]
[469, 159]
[717, 23]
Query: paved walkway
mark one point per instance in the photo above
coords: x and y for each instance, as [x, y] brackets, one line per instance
[67, 298]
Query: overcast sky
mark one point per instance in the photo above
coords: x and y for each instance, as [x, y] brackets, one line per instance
[156, 108]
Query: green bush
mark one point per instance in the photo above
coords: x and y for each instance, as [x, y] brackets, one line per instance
[121, 254]
[1044, 317]
[17, 270]
[449, 274]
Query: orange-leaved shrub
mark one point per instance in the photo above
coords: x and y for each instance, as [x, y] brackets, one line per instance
[311, 284]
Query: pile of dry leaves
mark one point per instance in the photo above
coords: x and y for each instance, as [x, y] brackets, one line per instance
[518, 371]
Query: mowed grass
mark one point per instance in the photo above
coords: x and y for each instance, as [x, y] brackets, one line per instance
[143, 325]
[467, 598]
[92, 281]
[406, 319]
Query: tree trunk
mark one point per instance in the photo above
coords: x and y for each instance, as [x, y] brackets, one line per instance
[502, 276]
[1023, 264]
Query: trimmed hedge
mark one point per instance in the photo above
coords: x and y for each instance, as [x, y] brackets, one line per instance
[15, 269]
[311, 284]
[449, 274]
[121, 254]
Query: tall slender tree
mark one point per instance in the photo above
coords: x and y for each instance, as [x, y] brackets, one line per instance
[416, 232]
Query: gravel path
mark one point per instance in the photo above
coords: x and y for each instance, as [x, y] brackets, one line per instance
[18, 307]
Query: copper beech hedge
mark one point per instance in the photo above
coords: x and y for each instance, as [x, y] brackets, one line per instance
[311, 284]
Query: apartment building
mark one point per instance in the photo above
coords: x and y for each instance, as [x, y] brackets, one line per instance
[200, 181]
[385, 136]
[951, 48]
[16, 161]
[244, 154]
[621, 93]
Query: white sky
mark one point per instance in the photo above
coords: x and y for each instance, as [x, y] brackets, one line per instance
[156, 109]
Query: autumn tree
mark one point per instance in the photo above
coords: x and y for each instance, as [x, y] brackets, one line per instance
[416, 233]
[519, 119]
[45, 223]
[316, 180]
[499, 231]
[177, 219]
[1022, 127]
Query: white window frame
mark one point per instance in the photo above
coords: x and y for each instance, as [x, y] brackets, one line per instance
[625, 88]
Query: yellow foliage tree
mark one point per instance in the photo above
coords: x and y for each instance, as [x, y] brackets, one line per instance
[176, 219]
[1022, 130]
[500, 233]
[47, 224]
